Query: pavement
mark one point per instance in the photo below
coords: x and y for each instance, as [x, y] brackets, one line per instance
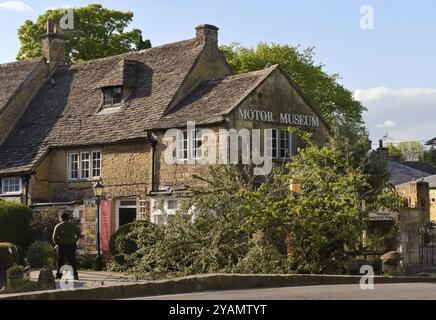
[415, 291]
[91, 279]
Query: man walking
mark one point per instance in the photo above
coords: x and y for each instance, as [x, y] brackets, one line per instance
[65, 236]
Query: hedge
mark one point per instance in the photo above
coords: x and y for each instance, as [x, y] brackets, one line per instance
[15, 221]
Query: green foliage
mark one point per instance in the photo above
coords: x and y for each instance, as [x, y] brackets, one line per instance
[395, 151]
[43, 224]
[335, 103]
[86, 262]
[124, 242]
[411, 151]
[24, 286]
[430, 156]
[41, 255]
[15, 222]
[98, 33]
[15, 271]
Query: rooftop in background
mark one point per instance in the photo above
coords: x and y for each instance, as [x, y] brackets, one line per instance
[432, 142]
[401, 173]
[423, 166]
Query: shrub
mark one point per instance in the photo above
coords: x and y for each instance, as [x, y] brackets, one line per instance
[15, 222]
[86, 262]
[41, 255]
[15, 271]
[43, 224]
[121, 243]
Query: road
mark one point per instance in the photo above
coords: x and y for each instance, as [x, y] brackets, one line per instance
[419, 291]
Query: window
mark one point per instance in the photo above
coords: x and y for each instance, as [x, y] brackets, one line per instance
[73, 166]
[11, 185]
[112, 96]
[173, 204]
[190, 145]
[281, 144]
[85, 161]
[84, 165]
[96, 164]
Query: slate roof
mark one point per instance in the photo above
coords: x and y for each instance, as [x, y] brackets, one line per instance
[12, 75]
[212, 100]
[432, 142]
[401, 174]
[65, 111]
[421, 166]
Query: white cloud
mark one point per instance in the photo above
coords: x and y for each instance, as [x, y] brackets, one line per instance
[18, 6]
[411, 113]
[387, 124]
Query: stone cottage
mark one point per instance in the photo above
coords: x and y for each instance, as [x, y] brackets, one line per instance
[64, 127]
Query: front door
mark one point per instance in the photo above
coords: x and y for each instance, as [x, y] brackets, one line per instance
[126, 212]
[127, 215]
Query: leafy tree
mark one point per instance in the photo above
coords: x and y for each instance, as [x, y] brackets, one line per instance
[396, 151]
[98, 32]
[335, 103]
[430, 156]
[412, 151]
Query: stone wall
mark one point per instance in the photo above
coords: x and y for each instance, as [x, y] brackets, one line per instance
[433, 204]
[417, 194]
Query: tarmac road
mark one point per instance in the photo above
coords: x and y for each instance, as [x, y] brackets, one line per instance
[415, 291]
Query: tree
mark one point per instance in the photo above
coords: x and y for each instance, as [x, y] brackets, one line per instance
[430, 156]
[395, 151]
[335, 103]
[98, 33]
[412, 151]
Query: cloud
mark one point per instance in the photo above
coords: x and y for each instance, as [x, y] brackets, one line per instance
[411, 113]
[387, 124]
[18, 6]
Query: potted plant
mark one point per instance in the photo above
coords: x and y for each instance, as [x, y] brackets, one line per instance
[15, 276]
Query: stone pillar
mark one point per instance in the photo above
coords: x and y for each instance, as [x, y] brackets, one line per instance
[409, 224]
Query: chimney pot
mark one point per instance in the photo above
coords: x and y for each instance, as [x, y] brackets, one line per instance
[53, 44]
[207, 35]
[50, 26]
[381, 143]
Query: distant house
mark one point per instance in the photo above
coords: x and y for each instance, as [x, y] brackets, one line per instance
[432, 142]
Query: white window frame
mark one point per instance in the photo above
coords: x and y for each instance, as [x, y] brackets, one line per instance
[70, 171]
[189, 145]
[91, 165]
[14, 192]
[281, 140]
[85, 173]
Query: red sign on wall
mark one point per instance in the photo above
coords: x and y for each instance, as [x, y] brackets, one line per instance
[105, 223]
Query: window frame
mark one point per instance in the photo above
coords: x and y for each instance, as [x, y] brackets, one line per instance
[109, 96]
[281, 140]
[91, 168]
[8, 193]
[189, 145]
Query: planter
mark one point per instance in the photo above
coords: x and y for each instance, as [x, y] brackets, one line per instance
[15, 281]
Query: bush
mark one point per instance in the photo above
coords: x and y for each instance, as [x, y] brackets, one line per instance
[86, 262]
[15, 220]
[41, 255]
[121, 243]
[43, 224]
[15, 271]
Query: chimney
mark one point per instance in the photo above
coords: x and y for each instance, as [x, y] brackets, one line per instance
[53, 44]
[382, 152]
[207, 35]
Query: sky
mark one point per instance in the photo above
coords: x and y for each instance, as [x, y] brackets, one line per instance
[388, 61]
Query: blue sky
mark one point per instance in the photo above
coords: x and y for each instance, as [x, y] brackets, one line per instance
[392, 68]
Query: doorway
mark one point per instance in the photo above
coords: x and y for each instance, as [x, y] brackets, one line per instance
[126, 213]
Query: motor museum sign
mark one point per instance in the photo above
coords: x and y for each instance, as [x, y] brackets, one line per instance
[283, 118]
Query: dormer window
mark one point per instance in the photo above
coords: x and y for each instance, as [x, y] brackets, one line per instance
[112, 96]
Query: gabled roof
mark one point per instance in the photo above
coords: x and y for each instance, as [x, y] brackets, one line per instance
[211, 101]
[12, 75]
[65, 110]
[401, 174]
[432, 142]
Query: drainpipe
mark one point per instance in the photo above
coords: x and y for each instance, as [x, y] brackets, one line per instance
[27, 180]
[153, 164]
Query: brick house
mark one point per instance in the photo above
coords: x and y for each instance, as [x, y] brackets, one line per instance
[64, 127]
